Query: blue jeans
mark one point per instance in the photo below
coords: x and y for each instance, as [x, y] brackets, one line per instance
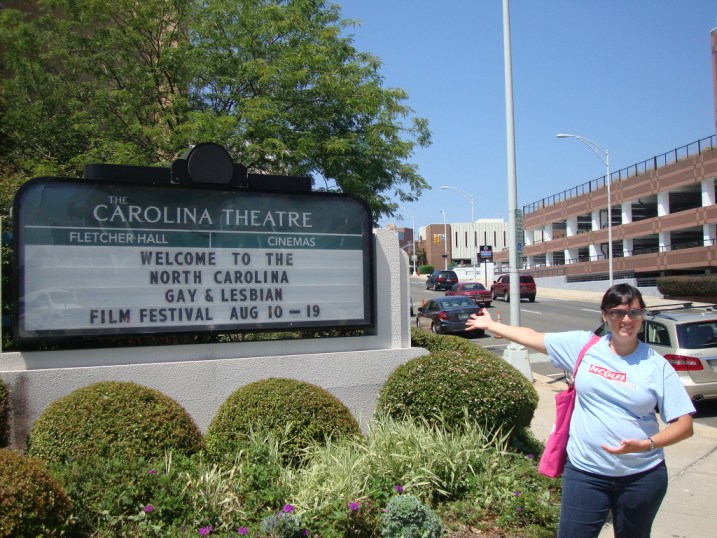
[588, 498]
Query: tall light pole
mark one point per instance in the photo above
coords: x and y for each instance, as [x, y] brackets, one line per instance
[413, 241]
[514, 354]
[445, 241]
[468, 197]
[512, 180]
[604, 156]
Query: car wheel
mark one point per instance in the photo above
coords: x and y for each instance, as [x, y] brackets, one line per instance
[487, 305]
[418, 324]
[428, 286]
[531, 298]
[435, 287]
[506, 296]
[495, 296]
[433, 328]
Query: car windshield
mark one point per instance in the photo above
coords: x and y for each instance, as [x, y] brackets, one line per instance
[473, 287]
[455, 302]
[698, 335]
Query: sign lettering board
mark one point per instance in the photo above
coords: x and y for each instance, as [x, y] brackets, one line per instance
[486, 253]
[104, 259]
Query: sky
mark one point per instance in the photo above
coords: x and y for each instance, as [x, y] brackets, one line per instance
[633, 76]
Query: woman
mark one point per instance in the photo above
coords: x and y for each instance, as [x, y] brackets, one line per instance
[615, 456]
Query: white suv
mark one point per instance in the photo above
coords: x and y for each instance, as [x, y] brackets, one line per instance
[687, 337]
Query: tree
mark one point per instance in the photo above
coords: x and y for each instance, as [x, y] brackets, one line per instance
[140, 81]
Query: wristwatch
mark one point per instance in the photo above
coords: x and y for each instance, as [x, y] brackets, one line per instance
[652, 444]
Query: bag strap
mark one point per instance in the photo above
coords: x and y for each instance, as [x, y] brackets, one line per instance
[594, 338]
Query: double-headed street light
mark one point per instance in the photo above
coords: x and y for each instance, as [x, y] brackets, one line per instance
[465, 195]
[445, 241]
[604, 156]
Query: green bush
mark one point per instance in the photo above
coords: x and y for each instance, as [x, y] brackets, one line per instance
[407, 517]
[4, 396]
[425, 269]
[458, 378]
[113, 418]
[109, 492]
[298, 412]
[32, 503]
[688, 286]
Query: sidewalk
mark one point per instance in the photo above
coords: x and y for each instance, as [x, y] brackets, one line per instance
[688, 510]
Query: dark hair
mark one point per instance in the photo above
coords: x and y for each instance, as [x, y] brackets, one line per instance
[620, 294]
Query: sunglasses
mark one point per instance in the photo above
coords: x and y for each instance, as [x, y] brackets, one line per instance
[618, 313]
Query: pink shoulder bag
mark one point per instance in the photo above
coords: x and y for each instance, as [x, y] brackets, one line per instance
[553, 459]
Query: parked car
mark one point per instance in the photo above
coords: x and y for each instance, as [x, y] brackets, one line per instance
[447, 315]
[687, 337]
[441, 280]
[475, 290]
[501, 288]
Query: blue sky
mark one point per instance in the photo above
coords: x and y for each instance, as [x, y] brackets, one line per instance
[634, 76]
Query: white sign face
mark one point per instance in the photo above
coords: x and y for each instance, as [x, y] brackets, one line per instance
[99, 259]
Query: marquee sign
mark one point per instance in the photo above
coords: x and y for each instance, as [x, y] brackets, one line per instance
[101, 259]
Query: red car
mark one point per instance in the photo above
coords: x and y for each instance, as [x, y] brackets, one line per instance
[501, 288]
[474, 290]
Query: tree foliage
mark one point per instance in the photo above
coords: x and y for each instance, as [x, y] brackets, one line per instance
[276, 82]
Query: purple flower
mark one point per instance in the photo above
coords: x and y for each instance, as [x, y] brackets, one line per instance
[152, 472]
[149, 508]
[354, 506]
[519, 509]
[517, 493]
[288, 509]
[306, 532]
[398, 488]
[243, 530]
[206, 530]
[531, 456]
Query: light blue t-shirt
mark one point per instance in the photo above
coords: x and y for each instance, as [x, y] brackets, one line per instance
[616, 399]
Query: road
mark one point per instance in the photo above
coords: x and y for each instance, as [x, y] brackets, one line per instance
[548, 314]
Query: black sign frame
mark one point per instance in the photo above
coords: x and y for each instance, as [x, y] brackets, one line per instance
[343, 236]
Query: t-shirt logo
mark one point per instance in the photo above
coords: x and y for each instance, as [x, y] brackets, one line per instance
[620, 377]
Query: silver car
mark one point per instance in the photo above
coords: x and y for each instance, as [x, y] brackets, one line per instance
[687, 337]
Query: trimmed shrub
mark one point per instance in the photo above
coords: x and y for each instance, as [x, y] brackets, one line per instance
[4, 397]
[458, 377]
[688, 286]
[298, 412]
[113, 418]
[425, 269]
[32, 503]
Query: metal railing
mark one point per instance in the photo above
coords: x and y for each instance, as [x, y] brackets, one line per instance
[658, 161]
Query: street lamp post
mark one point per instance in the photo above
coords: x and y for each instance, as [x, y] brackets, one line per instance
[468, 197]
[445, 241]
[604, 156]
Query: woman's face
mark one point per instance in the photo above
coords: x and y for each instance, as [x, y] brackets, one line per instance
[624, 326]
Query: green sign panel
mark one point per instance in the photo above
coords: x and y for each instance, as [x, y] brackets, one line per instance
[102, 259]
